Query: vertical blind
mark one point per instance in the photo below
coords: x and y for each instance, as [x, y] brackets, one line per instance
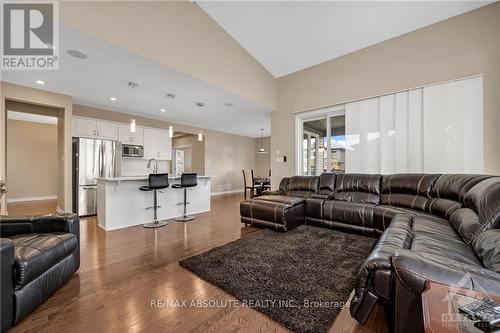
[435, 129]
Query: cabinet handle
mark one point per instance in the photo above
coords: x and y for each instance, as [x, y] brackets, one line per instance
[95, 132]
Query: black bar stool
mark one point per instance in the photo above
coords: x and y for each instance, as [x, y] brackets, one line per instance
[156, 181]
[187, 180]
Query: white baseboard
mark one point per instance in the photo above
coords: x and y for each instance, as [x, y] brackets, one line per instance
[47, 197]
[226, 192]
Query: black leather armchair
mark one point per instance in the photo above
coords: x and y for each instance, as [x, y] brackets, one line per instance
[38, 255]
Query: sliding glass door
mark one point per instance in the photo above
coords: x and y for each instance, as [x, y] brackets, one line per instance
[322, 143]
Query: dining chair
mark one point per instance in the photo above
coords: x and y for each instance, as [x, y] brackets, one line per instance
[249, 183]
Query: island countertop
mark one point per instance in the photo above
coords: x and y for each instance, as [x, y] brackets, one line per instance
[142, 177]
[121, 203]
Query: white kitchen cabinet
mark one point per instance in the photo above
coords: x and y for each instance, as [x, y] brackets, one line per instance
[129, 138]
[84, 127]
[164, 145]
[150, 143]
[107, 130]
[157, 144]
[91, 128]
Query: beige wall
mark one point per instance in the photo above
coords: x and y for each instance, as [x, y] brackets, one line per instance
[177, 34]
[458, 47]
[31, 159]
[225, 154]
[195, 162]
[64, 104]
[262, 161]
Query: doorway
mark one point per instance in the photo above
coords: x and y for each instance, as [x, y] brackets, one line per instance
[31, 158]
[188, 154]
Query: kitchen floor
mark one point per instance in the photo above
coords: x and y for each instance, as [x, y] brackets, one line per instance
[123, 271]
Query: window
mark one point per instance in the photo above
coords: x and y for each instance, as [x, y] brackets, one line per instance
[321, 147]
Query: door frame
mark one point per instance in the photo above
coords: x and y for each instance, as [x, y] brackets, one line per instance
[300, 118]
[13, 92]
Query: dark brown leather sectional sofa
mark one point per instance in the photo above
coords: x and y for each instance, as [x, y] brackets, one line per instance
[444, 228]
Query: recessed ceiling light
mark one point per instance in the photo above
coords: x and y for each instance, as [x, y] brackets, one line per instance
[112, 99]
[133, 84]
[170, 95]
[162, 110]
[40, 82]
[199, 104]
[77, 54]
[228, 104]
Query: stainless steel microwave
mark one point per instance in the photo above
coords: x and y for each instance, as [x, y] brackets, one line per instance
[132, 151]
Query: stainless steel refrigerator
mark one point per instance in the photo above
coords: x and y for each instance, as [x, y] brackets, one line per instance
[92, 159]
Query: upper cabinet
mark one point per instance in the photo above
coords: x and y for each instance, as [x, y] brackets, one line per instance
[129, 138]
[97, 129]
[157, 144]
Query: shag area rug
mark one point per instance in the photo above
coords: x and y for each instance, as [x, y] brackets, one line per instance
[301, 278]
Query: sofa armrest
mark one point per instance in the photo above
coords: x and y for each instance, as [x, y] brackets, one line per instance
[15, 225]
[6, 283]
[413, 270]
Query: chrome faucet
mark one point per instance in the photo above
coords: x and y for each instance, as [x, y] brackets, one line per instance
[155, 166]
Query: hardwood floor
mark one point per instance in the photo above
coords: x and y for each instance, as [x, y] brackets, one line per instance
[123, 271]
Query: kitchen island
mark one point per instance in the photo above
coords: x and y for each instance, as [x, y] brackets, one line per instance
[121, 204]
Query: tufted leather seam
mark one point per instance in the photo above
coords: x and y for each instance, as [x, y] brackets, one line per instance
[419, 183]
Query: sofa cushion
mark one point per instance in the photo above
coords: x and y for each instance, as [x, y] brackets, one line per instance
[326, 184]
[407, 190]
[383, 215]
[362, 188]
[353, 213]
[466, 223]
[487, 248]
[281, 199]
[484, 199]
[36, 253]
[448, 192]
[303, 183]
[436, 240]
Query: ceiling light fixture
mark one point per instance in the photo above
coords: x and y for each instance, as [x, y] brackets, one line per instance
[228, 104]
[170, 132]
[200, 136]
[170, 95]
[262, 150]
[132, 126]
[40, 82]
[112, 99]
[200, 104]
[77, 54]
[133, 84]
[162, 110]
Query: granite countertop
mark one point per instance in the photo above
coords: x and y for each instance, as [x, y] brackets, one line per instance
[140, 177]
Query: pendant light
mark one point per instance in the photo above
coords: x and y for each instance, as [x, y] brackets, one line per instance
[261, 149]
[132, 126]
[200, 136]
[170, 132]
